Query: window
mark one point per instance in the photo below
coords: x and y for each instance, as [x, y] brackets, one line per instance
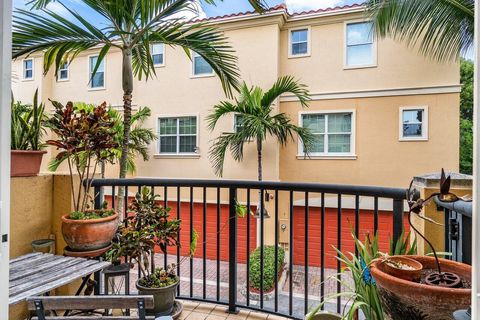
[200, 66]
[299, 42]
[63, 72]
[413, 123]
[98, 80]
[238, 122]
[333, 132]
[178, 135]
[158, 54]
[360, 45]
[28, 69]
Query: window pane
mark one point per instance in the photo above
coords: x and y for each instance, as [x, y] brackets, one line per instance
[93, 61]
[314, 122]
[200, 66]
[412, 130]
[318, 145]
[359, 33]
[360, 55]
[300, 48]
[168, 144]
[339, 143]
[28, 74]
[28, 64]
[412, 116]
[157, 59]
[188, 125]
[238, 122]
[340, 122]
[188, 144]
[168, 126]
[98, 80]
[157, 48]
[63, 74]
[300, 35]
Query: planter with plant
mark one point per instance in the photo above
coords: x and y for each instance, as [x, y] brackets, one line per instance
[147, 227]
[84, 140]
[254, 282]
[26, 133]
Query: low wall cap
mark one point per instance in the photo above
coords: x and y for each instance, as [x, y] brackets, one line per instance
[459, 180]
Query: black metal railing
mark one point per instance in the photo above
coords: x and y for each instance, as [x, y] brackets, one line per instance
[458, 229]
[317, 217]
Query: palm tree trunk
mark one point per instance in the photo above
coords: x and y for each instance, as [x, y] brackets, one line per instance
[127, 86]
[260, 208]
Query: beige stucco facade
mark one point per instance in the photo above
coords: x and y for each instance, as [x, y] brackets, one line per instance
[399, 77]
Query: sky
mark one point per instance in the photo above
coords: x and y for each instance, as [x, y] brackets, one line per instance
[204, 10]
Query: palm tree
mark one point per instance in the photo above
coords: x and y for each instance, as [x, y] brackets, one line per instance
[131, 27]
[257, 121]
[443, 29]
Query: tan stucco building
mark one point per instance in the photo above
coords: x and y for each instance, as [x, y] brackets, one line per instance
[381, 112]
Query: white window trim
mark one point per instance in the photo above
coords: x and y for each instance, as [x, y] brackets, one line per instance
[309, 43]
[203, 75]
[329, 155]
[196, 154]
[68, 74]
[374, 48]
[90, 88]
[161, 65]
[33, 69]
[424, 136]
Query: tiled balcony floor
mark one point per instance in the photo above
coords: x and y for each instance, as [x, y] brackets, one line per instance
[207, 311]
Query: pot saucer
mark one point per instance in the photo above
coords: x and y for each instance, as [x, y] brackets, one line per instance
[85, 254]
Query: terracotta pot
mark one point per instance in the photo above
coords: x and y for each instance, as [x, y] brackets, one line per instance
[163, 298]
[89, 235]
[412, 274]
[402, 299]
[25, 163]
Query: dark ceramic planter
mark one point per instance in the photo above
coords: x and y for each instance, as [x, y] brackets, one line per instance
[89, 235]
[25, 163]
[402, 299]
[163, 298]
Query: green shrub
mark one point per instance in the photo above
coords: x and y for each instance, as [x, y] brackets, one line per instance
[268, 267]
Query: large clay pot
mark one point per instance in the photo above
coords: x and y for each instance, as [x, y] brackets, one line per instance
[163, 298]
[89, 235]
[402, 299]
[25, 163]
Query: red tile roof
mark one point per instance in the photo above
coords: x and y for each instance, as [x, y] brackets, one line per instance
[280, 7]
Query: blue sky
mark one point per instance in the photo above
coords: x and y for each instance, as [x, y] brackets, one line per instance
[221, 8]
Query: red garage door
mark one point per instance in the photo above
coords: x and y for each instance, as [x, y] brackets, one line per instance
[385, 227]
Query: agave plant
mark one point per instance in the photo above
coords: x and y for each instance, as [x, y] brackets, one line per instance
[26, 128]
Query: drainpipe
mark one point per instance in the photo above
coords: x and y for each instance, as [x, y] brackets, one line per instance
[5, 97]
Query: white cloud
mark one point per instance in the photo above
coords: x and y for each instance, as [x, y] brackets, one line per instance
[304, 5]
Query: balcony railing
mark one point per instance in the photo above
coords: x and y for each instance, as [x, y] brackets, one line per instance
[309, 221]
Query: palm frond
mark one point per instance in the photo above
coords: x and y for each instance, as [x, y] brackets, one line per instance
[218, 151]
[443, 29]
[220, 110]
[287, 84]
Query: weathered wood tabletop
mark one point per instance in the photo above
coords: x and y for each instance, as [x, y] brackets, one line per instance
[37, 273]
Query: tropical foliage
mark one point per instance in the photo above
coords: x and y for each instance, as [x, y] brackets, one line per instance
[442, 29]
[26, 125]
[130, 27]
[466, 116]
[255, 109]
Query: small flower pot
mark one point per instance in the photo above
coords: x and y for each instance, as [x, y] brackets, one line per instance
[89, 235]
[324, 315]
[163, 298]
[25, 163]
[403, 268]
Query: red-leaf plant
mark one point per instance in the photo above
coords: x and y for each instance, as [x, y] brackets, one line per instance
[85, 139]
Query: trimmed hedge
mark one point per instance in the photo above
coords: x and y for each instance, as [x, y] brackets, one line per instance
[268, 267]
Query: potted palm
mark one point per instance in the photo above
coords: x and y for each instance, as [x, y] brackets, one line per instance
[147, 227]
[84, 140]
[26, 133]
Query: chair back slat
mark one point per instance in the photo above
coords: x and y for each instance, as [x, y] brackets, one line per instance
[90, 302]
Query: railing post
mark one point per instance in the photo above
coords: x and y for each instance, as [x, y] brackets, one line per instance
[397, 219]
[232, 244]
[98, 197]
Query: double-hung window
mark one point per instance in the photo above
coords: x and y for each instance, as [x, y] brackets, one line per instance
[158, 54]
[360, 50]
[200, 66]
[63, 72]
[97, 80]
[28, 69]
[299, 42]
[413, 123]
[178, 135]
[333, 133]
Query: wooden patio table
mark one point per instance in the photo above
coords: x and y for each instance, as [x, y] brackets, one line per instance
[37, 273]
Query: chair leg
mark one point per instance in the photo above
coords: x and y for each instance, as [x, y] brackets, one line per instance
[39, 309]
[141, 309]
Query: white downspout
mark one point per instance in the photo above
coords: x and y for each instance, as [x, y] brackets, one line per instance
[476, 175]
[5, 82]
